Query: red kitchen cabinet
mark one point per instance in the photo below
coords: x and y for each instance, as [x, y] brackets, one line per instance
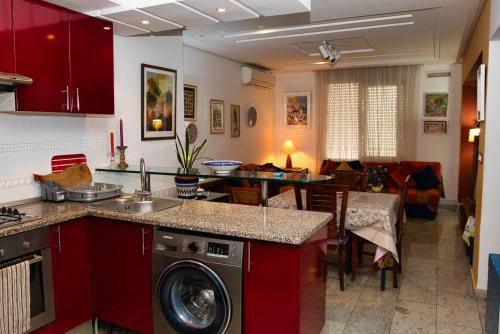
[6, 37]
[91, 53]
[122, 274]
[72, 271]
[285, 286]
[42, 53]
[48, 329]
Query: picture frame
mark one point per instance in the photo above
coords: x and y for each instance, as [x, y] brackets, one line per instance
[216, 116]
[158, 102]
[235, 120]
[190, 102]
[297, 110]
[435, 126]
[436, 105]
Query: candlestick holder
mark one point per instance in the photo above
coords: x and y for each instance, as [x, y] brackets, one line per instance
[112, 161]
[122, 164]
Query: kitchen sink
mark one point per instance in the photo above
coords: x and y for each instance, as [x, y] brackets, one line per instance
[132, 204]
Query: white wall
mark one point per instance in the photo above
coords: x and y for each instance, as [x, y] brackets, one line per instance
[220, 78]
[304, 139]
[490, 211]
[28, 142]
[444, 148]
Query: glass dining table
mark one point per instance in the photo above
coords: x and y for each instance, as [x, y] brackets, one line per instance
[264, 178]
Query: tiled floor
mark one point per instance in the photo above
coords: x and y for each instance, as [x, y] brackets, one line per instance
[435, 294]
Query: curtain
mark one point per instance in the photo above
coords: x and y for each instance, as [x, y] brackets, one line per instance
[367, 113]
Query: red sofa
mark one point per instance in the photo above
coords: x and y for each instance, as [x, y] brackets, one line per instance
[420, 203]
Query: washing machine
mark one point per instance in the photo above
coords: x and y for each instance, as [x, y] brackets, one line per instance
[197, 284]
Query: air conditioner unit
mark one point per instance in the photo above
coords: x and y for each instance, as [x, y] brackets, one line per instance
[256, 78]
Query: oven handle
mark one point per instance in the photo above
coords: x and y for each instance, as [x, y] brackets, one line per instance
[36, 259]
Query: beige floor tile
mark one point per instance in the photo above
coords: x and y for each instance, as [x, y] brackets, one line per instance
[414, 264]
[419, 288]
[333, 327]
[459, 330]
[454, 283]
[455, 310]
[423, 251]
[369, 321]
[414, 317]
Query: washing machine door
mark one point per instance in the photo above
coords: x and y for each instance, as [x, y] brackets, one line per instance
[193, 298]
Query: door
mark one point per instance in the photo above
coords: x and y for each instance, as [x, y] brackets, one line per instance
[270, 283]
[41, 48]
[6, 37]
[91, 50]
[122, 274]
[72, 271]
[193, 298]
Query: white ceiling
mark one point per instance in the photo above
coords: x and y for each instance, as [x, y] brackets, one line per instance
[283, 35]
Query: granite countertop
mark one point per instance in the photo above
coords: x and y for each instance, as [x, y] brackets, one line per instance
[249, 222]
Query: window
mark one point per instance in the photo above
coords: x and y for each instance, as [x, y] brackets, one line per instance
[362, 122]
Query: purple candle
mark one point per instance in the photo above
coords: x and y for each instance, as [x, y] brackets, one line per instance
[121, 132]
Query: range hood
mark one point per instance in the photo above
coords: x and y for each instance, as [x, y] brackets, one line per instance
[10, 81]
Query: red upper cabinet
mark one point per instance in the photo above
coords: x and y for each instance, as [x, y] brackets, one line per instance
[123, 274]
[91, 53]
[72, 271]
[6, 37]
[42, 53]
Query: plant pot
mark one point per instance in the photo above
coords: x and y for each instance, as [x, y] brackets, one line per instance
[187, 186]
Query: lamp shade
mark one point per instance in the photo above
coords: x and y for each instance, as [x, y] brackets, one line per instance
[474, 132]
[288, 146]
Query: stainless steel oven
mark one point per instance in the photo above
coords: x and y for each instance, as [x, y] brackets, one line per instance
[33, 246]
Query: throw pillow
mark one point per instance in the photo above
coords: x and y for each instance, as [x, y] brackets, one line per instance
[425, 178]
[328, 167]
[376, 175]
[400, 174]
[355, 165]
[344, 166]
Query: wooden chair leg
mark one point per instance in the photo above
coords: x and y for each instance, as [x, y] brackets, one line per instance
[399, 264]
[341, 267]
[354, 258]
[382, 280]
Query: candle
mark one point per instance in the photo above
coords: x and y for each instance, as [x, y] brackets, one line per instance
[121, 132]
[112, 140]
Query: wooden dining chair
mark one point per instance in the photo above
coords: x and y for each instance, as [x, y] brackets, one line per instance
[356, 180]
[323, 197]
[245, 195]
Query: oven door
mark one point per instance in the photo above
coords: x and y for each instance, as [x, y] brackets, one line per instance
[41, 290]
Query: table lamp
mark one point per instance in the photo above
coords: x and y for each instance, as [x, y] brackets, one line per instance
[288, 147]
[473, 132]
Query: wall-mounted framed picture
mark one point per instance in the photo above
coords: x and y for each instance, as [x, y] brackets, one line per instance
[297, 110]
[190, 102]
[436, 105]
[435, 126]
[158, 102]
[216, 116]
[235, 120]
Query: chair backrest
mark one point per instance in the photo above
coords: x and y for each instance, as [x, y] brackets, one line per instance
[244, 195]
[401, 210]
[324, 198]
[356, 180]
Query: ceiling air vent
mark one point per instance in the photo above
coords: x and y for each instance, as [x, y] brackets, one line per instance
[439, 75]
[256, 78]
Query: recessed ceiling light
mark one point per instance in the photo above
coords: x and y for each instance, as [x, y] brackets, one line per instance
[145, 22]
[221, 10]
[316, 54]
[106, 28]
[324, 32]
[320, 25]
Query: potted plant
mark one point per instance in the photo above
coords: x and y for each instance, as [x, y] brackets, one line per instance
[187, 185]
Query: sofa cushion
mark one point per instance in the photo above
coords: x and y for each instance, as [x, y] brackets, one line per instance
[344, 166]
[400, 174]
[376, 175]
[328, 167]
[426, 178]
[429, 197]
[355, 165]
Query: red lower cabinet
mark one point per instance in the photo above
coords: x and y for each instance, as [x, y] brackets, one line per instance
[47, 329]
[72, 271]
[285, 286]
[122, 274]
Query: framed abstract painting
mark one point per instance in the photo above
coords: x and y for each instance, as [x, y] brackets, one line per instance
[297, 110]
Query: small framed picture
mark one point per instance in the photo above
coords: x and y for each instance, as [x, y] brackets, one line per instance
[216, 116]
[158, 93]
[434, 126]
[235, 120]
[436, 105]
[297, 110]
[190, 102]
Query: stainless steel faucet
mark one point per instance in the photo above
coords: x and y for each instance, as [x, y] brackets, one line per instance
[145, 192]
